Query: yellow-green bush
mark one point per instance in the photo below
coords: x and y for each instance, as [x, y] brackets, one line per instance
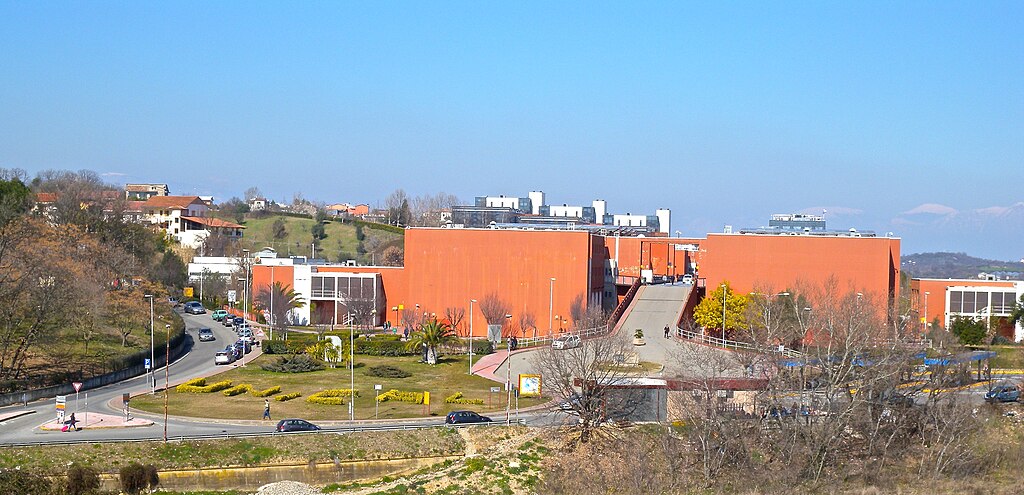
[199, 386]
[282, 398]
[333, 397]
[457, 398]
[413, 397]
[276, 389]
[237, 390]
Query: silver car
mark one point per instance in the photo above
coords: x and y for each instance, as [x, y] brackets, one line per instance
[566, 342]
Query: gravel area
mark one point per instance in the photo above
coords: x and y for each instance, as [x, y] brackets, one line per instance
[287, 488]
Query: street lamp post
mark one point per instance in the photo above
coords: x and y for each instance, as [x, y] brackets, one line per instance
[245, 287]
[551, 304]
[352, 369]
[152, 355]
[508, 380]
[471, 301]
[273, 318]
[167, 379]
[725, 294]
[926, 324]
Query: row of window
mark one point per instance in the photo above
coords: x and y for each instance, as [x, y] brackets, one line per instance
[1002, 303]
[343, 287]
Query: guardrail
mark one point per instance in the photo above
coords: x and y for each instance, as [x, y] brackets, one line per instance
[546, 340]
[217, 436]
[736, 344]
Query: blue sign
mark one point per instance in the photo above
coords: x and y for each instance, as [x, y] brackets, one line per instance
[147, 363]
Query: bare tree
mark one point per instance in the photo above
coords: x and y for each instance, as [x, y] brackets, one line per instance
[527, 322]
[455, 315]
[252, 193]
[577, 308]
[589, 382]
[362, 311]
[494, 308]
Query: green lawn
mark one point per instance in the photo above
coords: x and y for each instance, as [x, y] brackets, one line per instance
[441, 380]
[1007, 356]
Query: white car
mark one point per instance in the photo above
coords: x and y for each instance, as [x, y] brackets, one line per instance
[243, 327]
[566, 342]
[688, 279]
[246, 334]
[223, 358]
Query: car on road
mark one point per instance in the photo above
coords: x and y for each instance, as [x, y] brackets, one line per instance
[205, 335]
[219, 315]
[235, 352]
[295, 424]
[194, 308]
[572, 403]
[465, 418]
[688, 279]
[228, 321]
[566, 342]
[243, 327]
[238, 320]
[223, 357]
[1003, 392]
[247, 335]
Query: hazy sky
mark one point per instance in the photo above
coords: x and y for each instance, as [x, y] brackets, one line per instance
[895, 116]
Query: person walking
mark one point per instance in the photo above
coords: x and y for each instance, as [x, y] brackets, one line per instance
[266, 409]
[72, 422]
[666, 331]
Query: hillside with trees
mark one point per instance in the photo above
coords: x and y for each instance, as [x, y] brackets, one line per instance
[958, 265]
[73, 277]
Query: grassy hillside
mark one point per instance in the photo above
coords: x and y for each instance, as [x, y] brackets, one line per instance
[957, 265]
[340, 243]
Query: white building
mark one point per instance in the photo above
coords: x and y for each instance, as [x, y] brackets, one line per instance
[184, 219]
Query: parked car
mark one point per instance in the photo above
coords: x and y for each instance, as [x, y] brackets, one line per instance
[293, 424]
[228, 321]
[194, 308]
[465, 418]
[219, 315]
[1003, 392]
[245, 345]
[206, 335]
[243, 327]
[566, 342]
[247, 335]
[235, 352]
[238, 320]
[223, 357]
[688, 279]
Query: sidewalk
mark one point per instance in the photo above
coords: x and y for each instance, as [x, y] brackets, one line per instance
[97, 421]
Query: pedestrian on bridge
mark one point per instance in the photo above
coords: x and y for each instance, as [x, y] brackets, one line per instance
[666, 331]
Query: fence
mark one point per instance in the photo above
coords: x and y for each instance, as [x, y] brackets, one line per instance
[735, 344]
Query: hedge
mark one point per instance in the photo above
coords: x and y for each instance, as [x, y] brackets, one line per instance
[413, 397]
[237, 390]
[282, 398]
[332, 397]
[379, 226]
[276, 389]
[199, 386]
[457, 398]
[388, 348]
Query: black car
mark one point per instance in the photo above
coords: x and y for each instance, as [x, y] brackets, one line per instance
[465, 418]
[286, 425]
[238, 320]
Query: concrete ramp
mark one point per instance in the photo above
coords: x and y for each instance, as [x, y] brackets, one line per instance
[656, 306]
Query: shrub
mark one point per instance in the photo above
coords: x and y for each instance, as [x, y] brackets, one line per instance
[294, 363]
[21, 482]
[388, 371]
[198, 386]
[457, 398]
[482, 346]
[82, 480]
[412, 397]
[237, 390]
[135, 478]
[1000, 340]
[282, 398]
[379, 347]
[333, 397]
[276, 389]
[275, 347]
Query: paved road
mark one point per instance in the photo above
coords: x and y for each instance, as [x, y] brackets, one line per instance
[198, 361]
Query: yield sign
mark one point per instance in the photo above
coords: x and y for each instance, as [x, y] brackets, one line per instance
[78, 386]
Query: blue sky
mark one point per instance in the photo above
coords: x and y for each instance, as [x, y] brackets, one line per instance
[905, 117]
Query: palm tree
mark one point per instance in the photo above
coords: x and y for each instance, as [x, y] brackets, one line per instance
[279, 299]
[432, 334]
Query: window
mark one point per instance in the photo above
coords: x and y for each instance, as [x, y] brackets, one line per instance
[969, 302]
[956, 301]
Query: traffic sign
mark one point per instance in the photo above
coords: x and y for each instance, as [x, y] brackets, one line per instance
[78, 386]
[61, 401]
[232, 296]
[147, 363]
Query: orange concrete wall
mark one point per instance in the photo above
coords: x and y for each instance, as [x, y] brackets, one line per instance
[936, 304]
[448, 267]
[636, 253]
[261, 276]
[777, 262]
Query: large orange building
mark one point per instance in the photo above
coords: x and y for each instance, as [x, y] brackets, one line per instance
[541, 272]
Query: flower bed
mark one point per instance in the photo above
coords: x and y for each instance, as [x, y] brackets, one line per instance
[411, 397]
[457, 398]
[199, 386]
[333, 397]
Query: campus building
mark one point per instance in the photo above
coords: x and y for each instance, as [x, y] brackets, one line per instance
[941, 301]
[534, 211]
[540, 272]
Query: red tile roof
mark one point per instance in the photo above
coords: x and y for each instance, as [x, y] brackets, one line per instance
[179, 202]
[46, 197]
[214, 222]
